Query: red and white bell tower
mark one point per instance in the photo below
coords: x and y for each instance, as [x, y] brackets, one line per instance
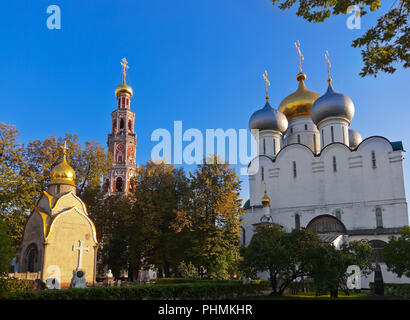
[122, 141]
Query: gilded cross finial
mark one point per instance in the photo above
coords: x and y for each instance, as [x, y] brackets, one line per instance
[329, 79]
[300, 55]
[265, 76]
[64, 147]
[125, 66]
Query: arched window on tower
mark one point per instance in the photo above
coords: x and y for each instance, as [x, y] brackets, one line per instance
[129, 126]
[119, 185]
[379, 218]
[122, 124]
[119, 157]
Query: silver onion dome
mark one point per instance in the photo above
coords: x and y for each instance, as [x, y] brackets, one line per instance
[332, 105]
[268, 118]
[354, 138]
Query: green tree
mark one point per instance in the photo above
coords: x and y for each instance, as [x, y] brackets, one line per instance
[397, 253]
[384, 45]
[285, 256]
[6, 255]
[212, 219]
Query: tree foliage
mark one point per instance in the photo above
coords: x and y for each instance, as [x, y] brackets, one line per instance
[397, 253]
[384, 45]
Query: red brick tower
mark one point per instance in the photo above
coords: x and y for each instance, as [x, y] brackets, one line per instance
[122, 141]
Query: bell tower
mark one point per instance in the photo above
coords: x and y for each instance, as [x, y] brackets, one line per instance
[122, 141]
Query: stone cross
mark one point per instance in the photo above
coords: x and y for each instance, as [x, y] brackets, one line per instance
[80, 249]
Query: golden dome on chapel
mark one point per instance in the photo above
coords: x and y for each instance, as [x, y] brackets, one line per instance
[123, 88]
[62, 173]
[299, 102]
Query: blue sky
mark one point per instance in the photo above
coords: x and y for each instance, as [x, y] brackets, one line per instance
[196, 61]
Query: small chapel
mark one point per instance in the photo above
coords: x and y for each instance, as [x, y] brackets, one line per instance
[59, 241]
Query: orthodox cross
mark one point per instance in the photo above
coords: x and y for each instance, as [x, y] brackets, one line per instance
[328, 66]
[300, 55]
[80, 249]
[64, 147]
[265, 76]
[125, 66]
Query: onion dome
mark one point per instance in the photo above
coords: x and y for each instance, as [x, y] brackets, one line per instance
[268, 118]
[332, 105]
[62, 173]
[265, 199]
[299, 102]
[354, 138]
[123, 88]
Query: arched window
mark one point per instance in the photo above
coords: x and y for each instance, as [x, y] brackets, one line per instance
[297, 221]
[373, 159]
[119, 185]
[306, 127]
[298, 138]
[119, 157]
[338, 214]
[274, 145]
[294, 169]
[379, 218]
[291, 130]
[314, 143]
[264, 146]
[122, 124]
[332, 134]
[31, 259]
[334, 164]
[262, 174]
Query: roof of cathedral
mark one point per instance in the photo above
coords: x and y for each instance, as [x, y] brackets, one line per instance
[62, 173]
[299, 102]
[332, 105]
[268, 118]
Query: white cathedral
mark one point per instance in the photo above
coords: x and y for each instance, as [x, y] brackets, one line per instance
[313, 171]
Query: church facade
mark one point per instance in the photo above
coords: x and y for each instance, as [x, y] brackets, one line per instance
[59, 238]
[313, 171]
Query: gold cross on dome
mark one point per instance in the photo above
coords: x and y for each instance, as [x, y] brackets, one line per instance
[265, 76]
[64, 147]
[328, 65]
[300, 55]
[125, 66]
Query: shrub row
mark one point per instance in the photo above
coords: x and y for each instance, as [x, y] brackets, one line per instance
[399, 290]
[14, 284]
[190, 291]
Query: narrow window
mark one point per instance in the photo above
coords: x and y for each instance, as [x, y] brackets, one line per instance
[305, 126]
[314, 143]
[129, 126]
[274, 146]
[122, 124]
[262, 174]
[379, 218]
[323, 139]
[119, 185]
[334, 164]
[297, 221]
[264, 146]
[291, 130]
[294, 169]
[339, 214]
[298, 138]
[243, 236]
[332, 133]
[373, 159]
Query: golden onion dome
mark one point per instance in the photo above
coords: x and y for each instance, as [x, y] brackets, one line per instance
[62, 173]
[299, 102]
[265, 199]
[123, 88]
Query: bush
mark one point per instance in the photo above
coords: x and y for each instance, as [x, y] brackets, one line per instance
[195, 290]
[399, 290]
[14, 284]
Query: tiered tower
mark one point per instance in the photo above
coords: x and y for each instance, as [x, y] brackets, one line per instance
[122, 141]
